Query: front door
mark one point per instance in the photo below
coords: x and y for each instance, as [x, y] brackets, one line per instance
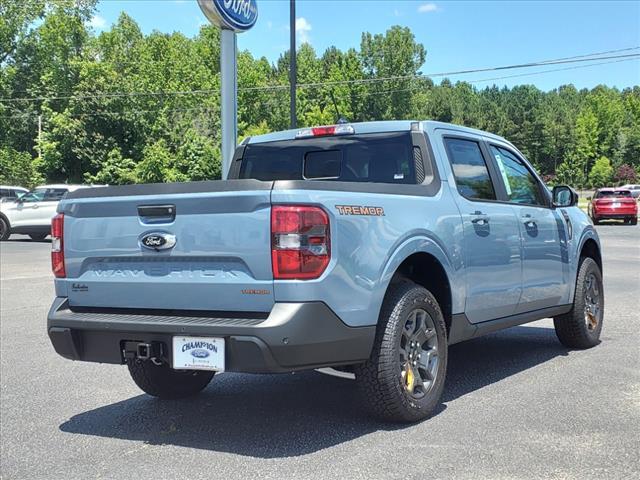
[541, 228]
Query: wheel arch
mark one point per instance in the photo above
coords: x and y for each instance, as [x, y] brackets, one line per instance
[424, 262]
[591, 249]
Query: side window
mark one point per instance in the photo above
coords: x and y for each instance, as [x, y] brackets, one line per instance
[4, 193]
[31, 197]
[470, 169]
[520, 184]
[54, 194]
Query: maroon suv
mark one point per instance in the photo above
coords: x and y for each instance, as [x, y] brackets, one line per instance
[613, 203]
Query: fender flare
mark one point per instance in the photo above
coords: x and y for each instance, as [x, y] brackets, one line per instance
[423, 242]
[588, 233]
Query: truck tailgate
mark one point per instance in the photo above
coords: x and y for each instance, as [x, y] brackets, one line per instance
[221, 260]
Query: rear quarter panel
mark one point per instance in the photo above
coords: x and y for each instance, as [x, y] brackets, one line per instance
[367, 249]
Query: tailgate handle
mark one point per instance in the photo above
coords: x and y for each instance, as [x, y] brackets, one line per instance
[157, 213]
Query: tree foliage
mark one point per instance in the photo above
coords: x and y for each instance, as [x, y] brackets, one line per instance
[122, 106]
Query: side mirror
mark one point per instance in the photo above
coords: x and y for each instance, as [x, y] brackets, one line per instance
[564, 196]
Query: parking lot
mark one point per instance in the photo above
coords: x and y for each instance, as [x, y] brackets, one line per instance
[517, 404]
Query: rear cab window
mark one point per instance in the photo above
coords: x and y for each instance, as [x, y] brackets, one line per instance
[376, 157]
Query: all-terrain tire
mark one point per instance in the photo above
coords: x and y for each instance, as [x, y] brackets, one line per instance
[574, 329]
[164, 382]
[380, 380]
[5, 229]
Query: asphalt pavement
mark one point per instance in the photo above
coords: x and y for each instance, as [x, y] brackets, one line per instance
[517, 404]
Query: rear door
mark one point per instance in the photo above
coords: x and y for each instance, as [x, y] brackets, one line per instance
[492, 249]
[218, 234]
[544, 268]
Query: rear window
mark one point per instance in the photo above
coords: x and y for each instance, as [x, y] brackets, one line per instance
[611, 194]
[379, 158]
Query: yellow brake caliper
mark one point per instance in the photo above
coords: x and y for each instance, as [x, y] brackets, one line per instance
[409, 379]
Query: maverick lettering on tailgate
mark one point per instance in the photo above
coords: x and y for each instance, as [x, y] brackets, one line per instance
[360, 210]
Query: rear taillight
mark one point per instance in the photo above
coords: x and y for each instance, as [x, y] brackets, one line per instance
[300, 247]
[57, 246]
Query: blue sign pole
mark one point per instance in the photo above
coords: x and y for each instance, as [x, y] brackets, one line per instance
[231, 16]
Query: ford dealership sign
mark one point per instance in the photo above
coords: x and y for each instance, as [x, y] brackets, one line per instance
[236, 15]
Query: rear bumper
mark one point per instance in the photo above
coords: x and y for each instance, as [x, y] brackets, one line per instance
[617, 214]
[294, 336]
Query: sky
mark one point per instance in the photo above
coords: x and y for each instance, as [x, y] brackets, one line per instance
[458, 35]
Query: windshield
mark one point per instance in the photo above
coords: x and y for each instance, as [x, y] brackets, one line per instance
[379, 157]
[613, 194]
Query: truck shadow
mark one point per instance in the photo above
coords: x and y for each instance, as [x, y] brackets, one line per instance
[273, 416]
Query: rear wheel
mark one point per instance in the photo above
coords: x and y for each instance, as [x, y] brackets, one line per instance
[38, 237]
[403, 379]
[595, 220]
[581, 327]
[634, 221]
[164, 382]
[5, 229]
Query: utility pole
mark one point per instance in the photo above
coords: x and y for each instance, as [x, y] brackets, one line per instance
[293, 67]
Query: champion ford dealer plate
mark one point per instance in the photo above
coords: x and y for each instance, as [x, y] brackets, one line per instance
[198, 353]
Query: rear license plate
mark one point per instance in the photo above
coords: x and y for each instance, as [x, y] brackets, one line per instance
[198, 353]
[615, 205]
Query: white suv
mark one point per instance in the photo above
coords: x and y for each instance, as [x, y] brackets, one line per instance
[31, 213]
[635, 190]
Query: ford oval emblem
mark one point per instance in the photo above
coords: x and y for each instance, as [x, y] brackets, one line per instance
[237, 15]
[158, 241]
[199, 353]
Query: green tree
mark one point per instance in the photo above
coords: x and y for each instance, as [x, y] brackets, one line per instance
[18, 168]
[601, 173]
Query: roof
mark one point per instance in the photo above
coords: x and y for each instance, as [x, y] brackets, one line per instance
[613, 189]
[376, 127]
[71, 188]
[14, 187]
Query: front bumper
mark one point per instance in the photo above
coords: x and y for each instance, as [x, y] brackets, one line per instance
[294, 336]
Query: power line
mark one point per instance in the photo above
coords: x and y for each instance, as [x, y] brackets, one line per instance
[558, 61]
[274, 101]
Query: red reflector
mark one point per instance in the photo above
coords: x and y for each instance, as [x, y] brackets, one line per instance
[57, 246]
[300, 247]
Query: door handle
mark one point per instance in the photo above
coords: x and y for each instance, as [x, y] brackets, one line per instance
[480, 218]
[529, 220]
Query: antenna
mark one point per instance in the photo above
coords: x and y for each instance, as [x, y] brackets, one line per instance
[341, 119]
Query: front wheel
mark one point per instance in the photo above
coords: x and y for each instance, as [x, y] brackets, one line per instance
[404, 377]
[5, 229]
[581, 327]
[164, 382]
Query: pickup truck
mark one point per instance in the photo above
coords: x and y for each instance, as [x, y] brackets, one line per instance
[366, 247]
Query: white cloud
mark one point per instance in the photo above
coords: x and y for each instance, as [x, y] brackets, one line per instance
[97, 22]
[303, 27]
[427, 7]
